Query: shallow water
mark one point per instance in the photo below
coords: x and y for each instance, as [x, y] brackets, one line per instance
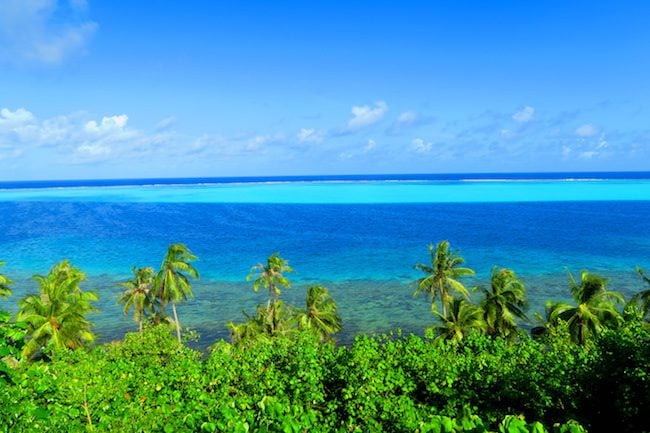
[364, 252]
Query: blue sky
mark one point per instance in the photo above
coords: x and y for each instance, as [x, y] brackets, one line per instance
[101, 89]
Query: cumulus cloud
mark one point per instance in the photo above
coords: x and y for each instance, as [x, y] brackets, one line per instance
[43, 31]
[10, 119]
[365, 115]
[524, 115]
[420, 146]
[586, 130]
[310, 135]
[107, 125]
[72, 135]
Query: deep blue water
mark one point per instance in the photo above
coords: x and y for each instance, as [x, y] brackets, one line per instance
[364, 252]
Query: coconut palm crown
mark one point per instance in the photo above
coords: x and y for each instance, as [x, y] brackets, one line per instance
[270, 275]
[137, 294]
[56, 316]
[461, 319]
[595, 307]
[442, 276]
[642, 298]
[320, 315]
[504, 302]
[5, 284]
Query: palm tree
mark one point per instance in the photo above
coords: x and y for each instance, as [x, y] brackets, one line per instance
[442, 276]
[461, 319]
[137, 294]
[642, 299]
[504, 302]
[56, 316]
[272, 319]
[270, 275]
[172, 282]
[269, 321]
[320, 315]
[5, 284]
[595, 307]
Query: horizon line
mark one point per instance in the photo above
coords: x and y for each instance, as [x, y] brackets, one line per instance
[528, 175]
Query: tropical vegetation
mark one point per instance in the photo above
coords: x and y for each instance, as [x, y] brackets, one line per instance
[442, 276]
[475, 370]
[594, 309]
[172, 283]
[138, 294]
[56, 315]
[319, 317]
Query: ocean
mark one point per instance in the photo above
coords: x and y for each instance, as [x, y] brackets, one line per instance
[358, 235]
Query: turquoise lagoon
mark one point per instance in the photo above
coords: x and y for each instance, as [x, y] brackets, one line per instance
[359, 237]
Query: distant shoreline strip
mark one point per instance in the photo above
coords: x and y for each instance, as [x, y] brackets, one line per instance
[453, 177]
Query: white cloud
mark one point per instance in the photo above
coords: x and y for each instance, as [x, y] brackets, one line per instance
[524, 115]
[93, 150]
[420, 146]
[165, 123]
[370, 146]
[588, 154]
[310, 135]
[107, 125]
[72, 135]
[507, 134]
[364, 150]
[364, 115]
[586, 130]
[406, 118]
[566, 151]
[257, 142]
[9, 119]
[41, 31]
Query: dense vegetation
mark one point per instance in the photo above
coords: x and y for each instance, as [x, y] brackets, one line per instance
[475, 371]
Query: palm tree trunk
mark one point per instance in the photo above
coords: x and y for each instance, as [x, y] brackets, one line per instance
[178, 325]
[140, 325]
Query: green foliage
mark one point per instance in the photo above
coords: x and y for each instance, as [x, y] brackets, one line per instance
[138, 294]
[618, 385]
[5, 284]
[641, 300]
[150, 382]
[442, 275]
[271, 320]
[462, 319]
[504, 303]
[320, 315]
[56, 316]
[12, 341]
[284, 373]
[172, 283]
[594, 311]
[271, 276]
